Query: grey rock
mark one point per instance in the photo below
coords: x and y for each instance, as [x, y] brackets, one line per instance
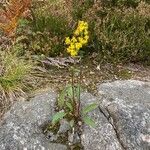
[63, 129]
[56, 146]
[103, 137]
[73, 138]
[51, 136]
[128, 105]
[122, 120]
[64, 126]
[21, 127]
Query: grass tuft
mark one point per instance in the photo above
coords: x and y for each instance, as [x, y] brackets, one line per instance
[14, 73]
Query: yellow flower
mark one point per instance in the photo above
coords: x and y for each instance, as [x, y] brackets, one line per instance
[86, 32]
[74, 53]
[81, 28]
[68, 49]
[80, 23]
[85, 24]
[72, 46]
[86, 37]
[67, 41]
[74, 40]
[77, 32]
[78, 46]
[79, 39]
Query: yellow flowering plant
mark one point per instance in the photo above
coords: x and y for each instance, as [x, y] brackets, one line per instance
[79, 39]
[68, 102]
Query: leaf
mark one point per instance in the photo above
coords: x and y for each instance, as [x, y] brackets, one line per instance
[63, 95]
[89, 122]
[13, 12]
[77, 91]
[61, 99]
[69, 106]
[89, 108]
[69, 91]
[57, 117]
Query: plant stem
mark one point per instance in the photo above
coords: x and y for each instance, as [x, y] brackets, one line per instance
[33, 16]
[80, 79]
[73, 96]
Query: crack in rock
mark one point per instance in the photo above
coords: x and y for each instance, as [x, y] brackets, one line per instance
[103, 137]
[111, 121]
[128, 104]
[122, 119]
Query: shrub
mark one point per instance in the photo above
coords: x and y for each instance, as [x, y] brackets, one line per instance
[120, 34]
[118, 29]
[11, 13]
[122, 3]
[48, 35]
[79, 8]
[50, 24]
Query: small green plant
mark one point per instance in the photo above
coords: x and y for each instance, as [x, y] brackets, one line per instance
[70, 107]
[69, 103]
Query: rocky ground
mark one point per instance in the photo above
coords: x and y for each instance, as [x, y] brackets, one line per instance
[122, 119]
[56, 75]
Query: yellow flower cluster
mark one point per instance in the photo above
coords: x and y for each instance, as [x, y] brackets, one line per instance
[79, 39]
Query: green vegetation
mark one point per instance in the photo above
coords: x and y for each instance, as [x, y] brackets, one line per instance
[14, 73]
[119, 30]
[69, 105]
[69, 102]
[118, 33]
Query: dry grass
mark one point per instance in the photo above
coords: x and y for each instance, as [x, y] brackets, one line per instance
[15, 73]
[14, 77]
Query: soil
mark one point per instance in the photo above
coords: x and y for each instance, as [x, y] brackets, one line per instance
[93, 73]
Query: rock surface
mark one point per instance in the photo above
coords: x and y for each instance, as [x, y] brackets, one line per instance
[127, 105]
[122, 118]
[103, 137]
[21, 128]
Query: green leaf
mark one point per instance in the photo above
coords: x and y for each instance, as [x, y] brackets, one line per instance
[89, 108]
[78, 91]
[69, 105]
[57, 117]
[89, 121]
[61, 99]
[69, 91]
